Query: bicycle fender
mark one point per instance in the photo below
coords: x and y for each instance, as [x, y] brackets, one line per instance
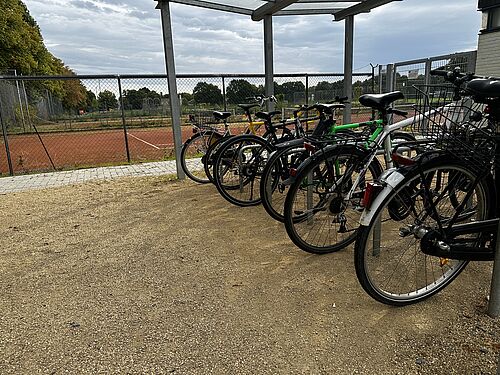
[389, 179]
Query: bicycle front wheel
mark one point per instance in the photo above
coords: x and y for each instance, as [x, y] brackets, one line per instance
[273, 187]
[323, 205]
[193, 152]
[389, 262]
[238, 168]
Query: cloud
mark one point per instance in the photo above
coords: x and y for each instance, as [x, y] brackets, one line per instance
[124, 36]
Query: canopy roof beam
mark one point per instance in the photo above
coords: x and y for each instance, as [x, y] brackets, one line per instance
[269, 8]
[362, 7]
[211, 5]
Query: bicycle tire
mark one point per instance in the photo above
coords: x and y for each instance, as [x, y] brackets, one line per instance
[201, 143]
[315, 217]
[209, 158]
[238, 166]
[272, 189]
[389, 264]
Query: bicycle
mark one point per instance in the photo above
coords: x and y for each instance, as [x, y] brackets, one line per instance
[252, 128]
[206, 137]
[422, 223]
[274, 183]
[290, 154]
[323, 203]
[240, 160]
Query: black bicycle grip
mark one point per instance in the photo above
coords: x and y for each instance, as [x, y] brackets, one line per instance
[440, 72]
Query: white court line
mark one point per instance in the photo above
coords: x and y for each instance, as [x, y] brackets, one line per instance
[142, 140]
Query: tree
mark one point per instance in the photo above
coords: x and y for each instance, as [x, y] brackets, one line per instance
[134, 99]
[107, 100]
[290, 88]
[90, 101]
[207, 93]
[21, 43]
[239, 89]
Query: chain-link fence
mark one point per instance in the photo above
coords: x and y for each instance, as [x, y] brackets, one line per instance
[404, 75]
[55, 123]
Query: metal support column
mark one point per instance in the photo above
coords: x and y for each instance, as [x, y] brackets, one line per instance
[175, 107]
[124, 122]
[268, 58]
[494, 304]
[348, 56]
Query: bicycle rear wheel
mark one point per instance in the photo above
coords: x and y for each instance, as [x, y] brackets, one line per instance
[238, 167]
[318, 217]
[389, 262]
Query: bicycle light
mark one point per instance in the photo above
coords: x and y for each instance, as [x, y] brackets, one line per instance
[372, 190]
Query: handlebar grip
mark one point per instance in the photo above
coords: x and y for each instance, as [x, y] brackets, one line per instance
[341, 99]
[439, 72]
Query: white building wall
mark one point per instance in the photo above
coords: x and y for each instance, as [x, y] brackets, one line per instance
[488, 54]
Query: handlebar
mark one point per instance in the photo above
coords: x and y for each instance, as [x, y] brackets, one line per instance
[261, 99]
[454, 76]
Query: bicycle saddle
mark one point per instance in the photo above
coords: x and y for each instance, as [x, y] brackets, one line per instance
[380, 101]
[267, 115]
[484, 88]
[221, 115]
[328, 108]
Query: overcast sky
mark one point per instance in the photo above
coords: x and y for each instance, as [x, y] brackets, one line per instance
[124, 36]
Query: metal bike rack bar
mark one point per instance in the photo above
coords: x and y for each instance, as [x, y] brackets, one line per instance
[309, 198]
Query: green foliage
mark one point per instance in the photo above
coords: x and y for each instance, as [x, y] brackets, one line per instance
[288, 89]
[239, 89]
[207, 93]
[21, 43]
[22, 49]
[107, 100]
[186, 97]
[134, 99]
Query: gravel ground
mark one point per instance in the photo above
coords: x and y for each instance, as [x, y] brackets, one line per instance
[147, 275]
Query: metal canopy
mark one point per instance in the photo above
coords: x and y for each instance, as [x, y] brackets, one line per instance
[258, 9]
[264, 10]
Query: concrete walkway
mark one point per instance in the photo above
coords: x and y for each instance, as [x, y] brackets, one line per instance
[53, 179]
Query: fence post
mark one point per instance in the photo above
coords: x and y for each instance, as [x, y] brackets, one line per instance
[6, 142]
[390, 77]
[471, 62]
[380, 87]
[428, 68]
[307, 90]
[224, 93]
[123, 119]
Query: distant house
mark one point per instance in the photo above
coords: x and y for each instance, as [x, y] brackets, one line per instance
[488, 49]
